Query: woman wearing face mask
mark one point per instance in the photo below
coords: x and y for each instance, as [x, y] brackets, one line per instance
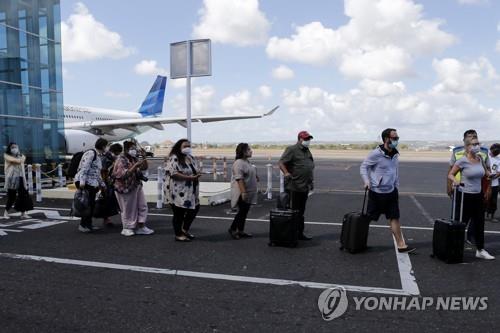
[182, 188]
[243, 189]
[129, 192]
[14, 177]
[108, 160]
[472, 168]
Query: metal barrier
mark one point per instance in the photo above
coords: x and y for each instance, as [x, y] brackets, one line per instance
[38, 180]
[30, 179]
[159, 200]
[214, 171]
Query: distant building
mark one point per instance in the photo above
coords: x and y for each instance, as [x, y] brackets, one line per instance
[31, 90]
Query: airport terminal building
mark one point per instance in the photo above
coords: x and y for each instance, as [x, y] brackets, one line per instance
[31, 89]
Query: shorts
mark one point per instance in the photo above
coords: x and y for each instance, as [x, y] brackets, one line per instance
[383, 203]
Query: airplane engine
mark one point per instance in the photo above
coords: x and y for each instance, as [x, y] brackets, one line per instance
[77, 140]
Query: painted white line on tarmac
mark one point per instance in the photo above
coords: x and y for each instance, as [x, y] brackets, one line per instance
[422, 209]
[406, 273]
[202, 275]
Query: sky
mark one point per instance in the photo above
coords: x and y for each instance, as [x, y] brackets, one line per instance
[342, 70]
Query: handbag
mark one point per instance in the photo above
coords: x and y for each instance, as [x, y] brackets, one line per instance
[23, 201]
[81, 205]
[106, 205]
[485, 184]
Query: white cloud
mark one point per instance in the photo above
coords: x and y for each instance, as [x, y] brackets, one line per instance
[382, 88]
[85, 38]
[374, 105]
[117, 94]
[473, 2]
[149, 67]
[178, 83]
[283, 72]
[237, 103]
[201, 101]
[458, 77]
[238, 22]
[265, 91]
[380, 40]
[242, 102]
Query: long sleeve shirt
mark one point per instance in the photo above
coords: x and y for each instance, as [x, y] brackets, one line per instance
[89, 170]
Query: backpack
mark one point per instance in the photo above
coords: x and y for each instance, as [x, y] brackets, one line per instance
[75, 163]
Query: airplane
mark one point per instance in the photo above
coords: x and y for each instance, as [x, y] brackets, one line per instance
[84, 125]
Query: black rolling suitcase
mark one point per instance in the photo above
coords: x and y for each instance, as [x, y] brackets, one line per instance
[354, 235]
[283, 227]
[448, 236]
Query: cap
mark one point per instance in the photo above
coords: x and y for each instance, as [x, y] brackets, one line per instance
[304, 135]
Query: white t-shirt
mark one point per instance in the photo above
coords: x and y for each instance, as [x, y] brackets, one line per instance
[495, 168]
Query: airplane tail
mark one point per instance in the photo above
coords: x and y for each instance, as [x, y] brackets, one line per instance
[153, 103]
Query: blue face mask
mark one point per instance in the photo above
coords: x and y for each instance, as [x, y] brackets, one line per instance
[393, 144]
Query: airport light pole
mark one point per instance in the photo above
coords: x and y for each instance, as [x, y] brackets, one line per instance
[190, 58]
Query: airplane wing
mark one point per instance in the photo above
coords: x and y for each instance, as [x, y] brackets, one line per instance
[132, 124]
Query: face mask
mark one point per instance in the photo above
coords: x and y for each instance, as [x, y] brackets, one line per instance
[132, 152]
[186, 151]
[393, 144]
[306, 143]
[15, 151]
[475, 149]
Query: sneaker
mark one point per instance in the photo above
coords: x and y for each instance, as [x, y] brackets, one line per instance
[483, 254]
[83, 229]
[128, 232]
[5, 215]
[144, 231]
[25, 216]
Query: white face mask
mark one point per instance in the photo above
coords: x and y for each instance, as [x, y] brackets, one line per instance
[475, 149]
[306, 143]
[14, 151]
[186, 151]
[132, 152]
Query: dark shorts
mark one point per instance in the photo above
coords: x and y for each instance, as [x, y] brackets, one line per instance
[383, 203]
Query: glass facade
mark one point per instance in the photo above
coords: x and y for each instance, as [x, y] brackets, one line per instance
[31, 94]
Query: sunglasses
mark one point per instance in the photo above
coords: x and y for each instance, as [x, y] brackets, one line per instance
[395, 138]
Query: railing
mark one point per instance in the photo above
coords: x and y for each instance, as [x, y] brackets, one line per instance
[209, 165]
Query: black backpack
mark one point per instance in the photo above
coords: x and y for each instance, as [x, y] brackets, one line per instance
[75, 163]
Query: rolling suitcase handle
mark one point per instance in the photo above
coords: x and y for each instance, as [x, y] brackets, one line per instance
[364, 201]
[453, 207]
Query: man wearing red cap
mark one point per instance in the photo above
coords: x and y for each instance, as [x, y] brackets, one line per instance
[297, 165]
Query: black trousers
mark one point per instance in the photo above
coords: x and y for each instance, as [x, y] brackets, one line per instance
[183, 218]
[492, 204]
[473, 213]
[240, 218]
[87, 221]
[298, 202]
[11, 198]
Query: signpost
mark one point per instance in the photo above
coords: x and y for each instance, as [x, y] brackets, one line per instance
[189, 59]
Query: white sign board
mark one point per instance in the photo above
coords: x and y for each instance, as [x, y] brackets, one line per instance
[201, 59]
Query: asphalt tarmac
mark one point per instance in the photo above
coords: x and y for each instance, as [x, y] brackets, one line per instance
[55, 279]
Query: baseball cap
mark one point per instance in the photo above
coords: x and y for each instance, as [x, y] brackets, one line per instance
[305, 135]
